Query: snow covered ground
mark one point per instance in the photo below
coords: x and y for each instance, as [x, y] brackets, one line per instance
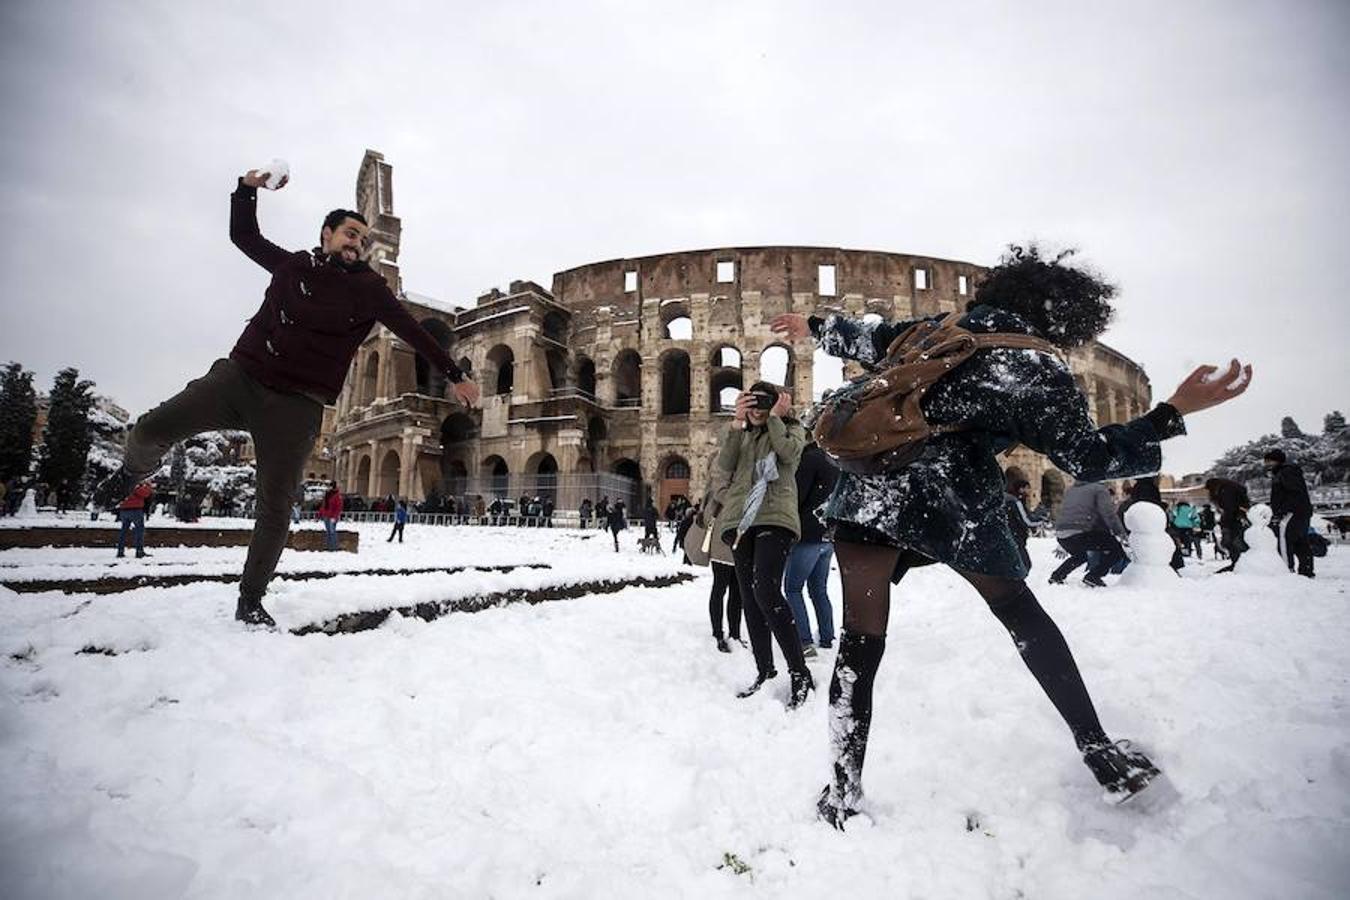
[594, 748]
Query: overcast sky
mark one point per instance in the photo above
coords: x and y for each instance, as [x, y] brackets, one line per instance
[1196, 152]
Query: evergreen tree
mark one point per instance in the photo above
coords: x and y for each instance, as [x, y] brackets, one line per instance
[1333, 422]
[66, 439]
[18, 412]
[1289, 428]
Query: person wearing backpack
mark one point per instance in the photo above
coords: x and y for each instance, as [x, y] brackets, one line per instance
[943, 502]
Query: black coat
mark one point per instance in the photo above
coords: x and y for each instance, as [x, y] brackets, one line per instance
[1231, 499]
[948, 503]
[1289, 492]
[816, 477]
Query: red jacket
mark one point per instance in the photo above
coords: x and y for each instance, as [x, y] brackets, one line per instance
[315, 314]
[137, 498]
[332, 506]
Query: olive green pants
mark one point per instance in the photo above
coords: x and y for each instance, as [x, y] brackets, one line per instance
[284, 428]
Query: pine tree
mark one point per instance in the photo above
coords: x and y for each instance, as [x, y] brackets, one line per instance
[1333, 422]
[1289, 428]
[18, 412]
[66, 439]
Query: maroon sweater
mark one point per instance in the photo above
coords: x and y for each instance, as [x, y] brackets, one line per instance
[315, 314]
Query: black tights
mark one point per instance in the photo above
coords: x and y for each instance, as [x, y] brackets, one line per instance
[761, 555]
[867, 570]
[724, 582]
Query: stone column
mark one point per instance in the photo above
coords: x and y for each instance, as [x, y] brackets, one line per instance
[374, 479]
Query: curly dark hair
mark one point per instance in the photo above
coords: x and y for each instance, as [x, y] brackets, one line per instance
[1069, 305]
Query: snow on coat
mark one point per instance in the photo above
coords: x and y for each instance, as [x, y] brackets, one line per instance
[948, 503]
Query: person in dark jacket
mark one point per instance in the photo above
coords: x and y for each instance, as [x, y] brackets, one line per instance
[602, 513]
[946, 506]
[1233, 502]
[809, 561]
[649, 526]
[1290, 510]
[617, 521]
[290, 360]
[1020, 520]
[584, 512]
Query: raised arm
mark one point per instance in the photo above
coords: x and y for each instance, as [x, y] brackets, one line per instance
[392, 314]
[838, 335]
[244, 232]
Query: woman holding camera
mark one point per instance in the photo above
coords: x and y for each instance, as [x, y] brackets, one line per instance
[761, 450]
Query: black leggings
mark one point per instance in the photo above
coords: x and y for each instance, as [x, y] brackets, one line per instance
[867, 571]
[724, 582]
[761, 555]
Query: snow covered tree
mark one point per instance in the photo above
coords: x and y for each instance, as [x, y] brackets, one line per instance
[208, 464]
[1333, 422]
[1289, 428]
[1325, 458]
[107, 446]
[18, 412]
[66, 439]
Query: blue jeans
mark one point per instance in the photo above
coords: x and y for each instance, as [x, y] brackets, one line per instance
[133, 519]
[330, 526]
[809, 564]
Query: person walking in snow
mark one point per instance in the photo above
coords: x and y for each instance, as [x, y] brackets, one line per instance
[617, 521]
[946, 506]
[1185, 521]
[584, 513]
[720, 560]
[290, 360]
[1290, 510]
[649, 524]
[1088, 521]
[761, 450]
[400, 519]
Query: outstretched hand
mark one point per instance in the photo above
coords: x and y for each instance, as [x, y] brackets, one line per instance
[1208, 386]
[256, 178]
[792, 326]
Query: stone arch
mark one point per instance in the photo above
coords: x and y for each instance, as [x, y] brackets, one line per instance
[370, 378]
[544, 467]
[675, 474]
[629, 468]
[726, 378]
[457, 431]
[497, 474]
[390, 470]
[455, 474]
[585, 375]
[430, 381]
[676, 323]
[777, 366]
[556, 360]
[554, 326]
[362, 485]
[627, 376]
[500, 370]
[676, 383]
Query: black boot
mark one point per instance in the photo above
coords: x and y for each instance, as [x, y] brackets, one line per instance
[802, 686]
[722, 644]
[251, 612]
[855, 669]
[1119, 768]
[757, 684]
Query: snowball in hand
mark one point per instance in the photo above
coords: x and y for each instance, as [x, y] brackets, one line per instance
[277, 171]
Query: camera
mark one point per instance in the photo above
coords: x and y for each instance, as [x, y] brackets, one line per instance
[764, 401]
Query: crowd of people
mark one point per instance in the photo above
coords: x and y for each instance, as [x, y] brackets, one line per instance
[776, 509]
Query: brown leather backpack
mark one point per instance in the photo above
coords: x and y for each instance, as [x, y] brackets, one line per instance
[874, 423]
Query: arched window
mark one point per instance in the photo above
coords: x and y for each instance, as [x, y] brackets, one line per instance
[370, 379]
[586, 375]
[680, 328]
[501, 364]
[725, 379]
[628, 378]
[775, 366]
[675, 383]
[389, 474]
[430, 381]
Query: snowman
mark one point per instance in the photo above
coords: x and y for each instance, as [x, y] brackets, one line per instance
[28, 507]
[1264, 556]
[1150, 547]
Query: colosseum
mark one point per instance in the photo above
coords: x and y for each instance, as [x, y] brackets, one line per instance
[617, 379]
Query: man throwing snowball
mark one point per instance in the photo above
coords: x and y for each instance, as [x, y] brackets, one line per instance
[289, 362]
